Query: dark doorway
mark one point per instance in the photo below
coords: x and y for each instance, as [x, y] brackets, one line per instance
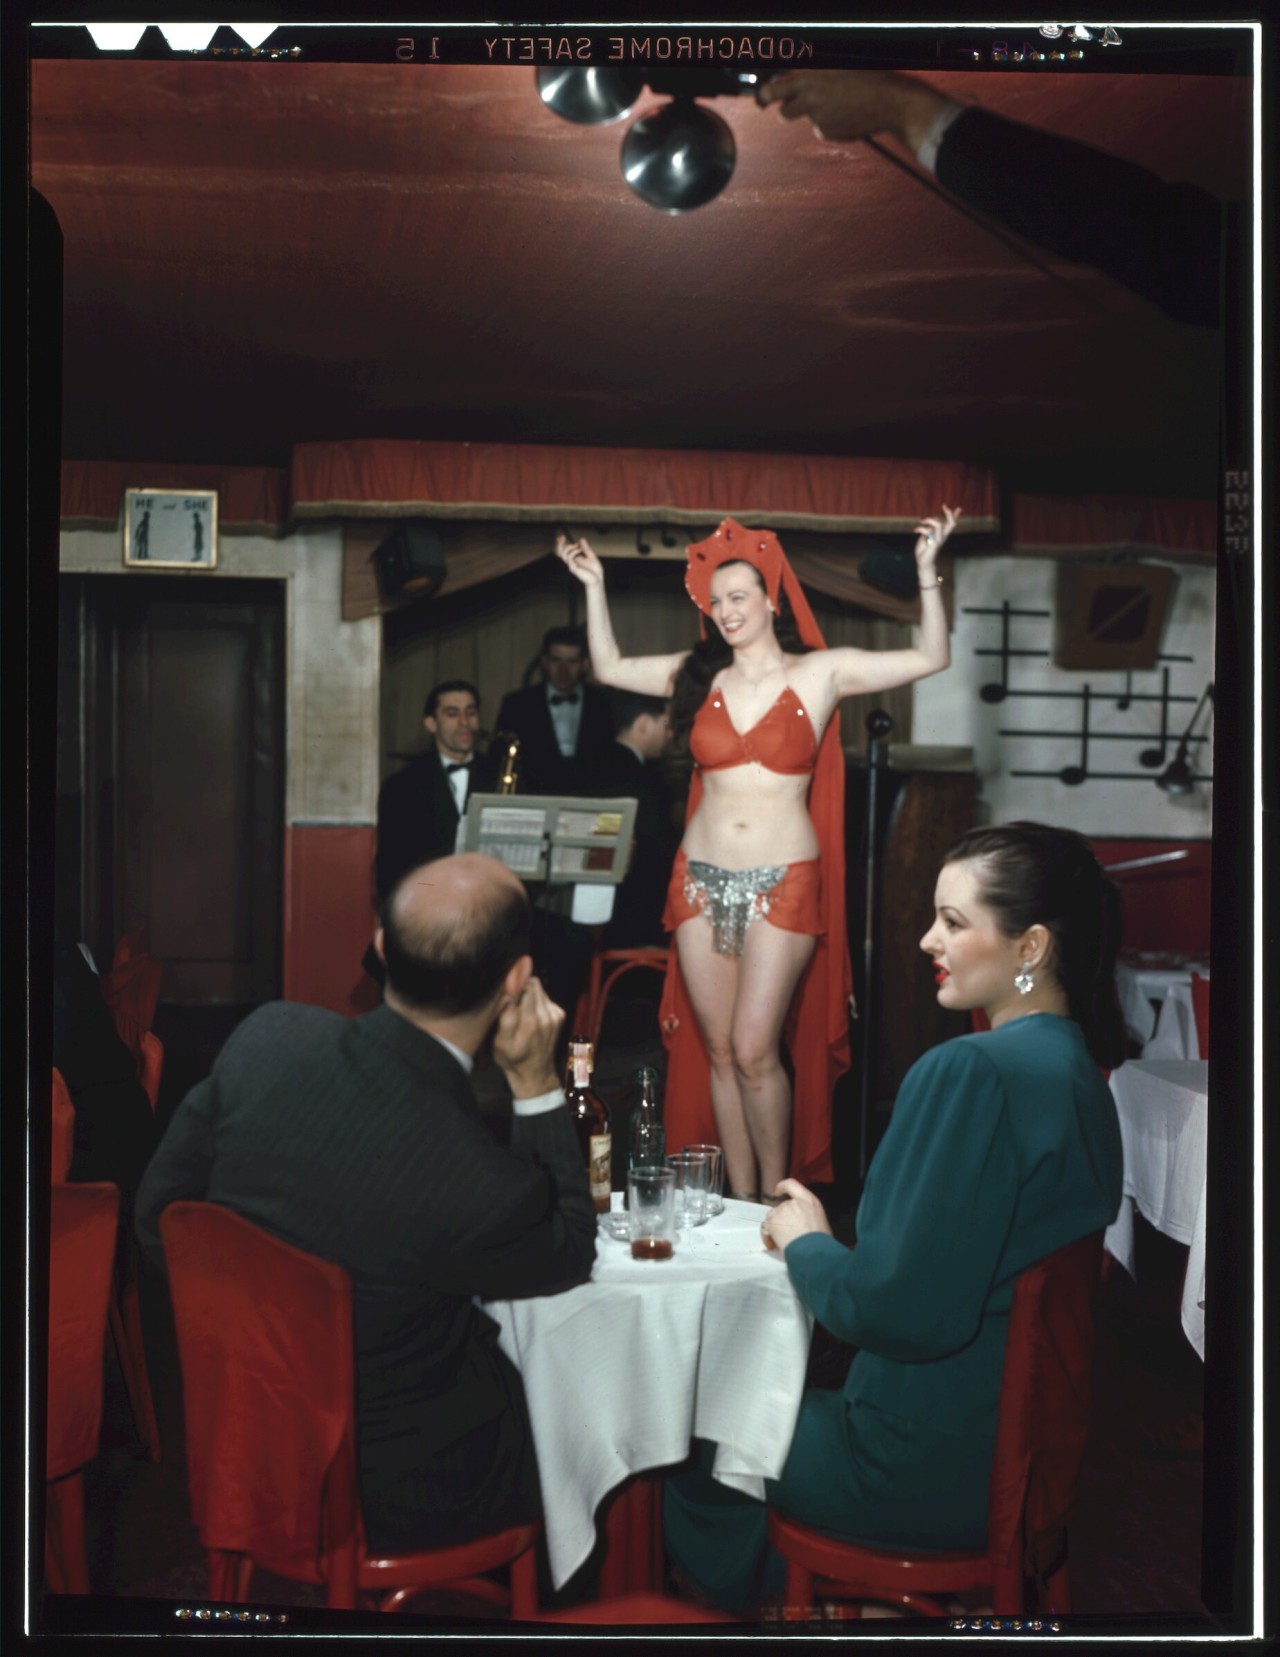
[171, 776]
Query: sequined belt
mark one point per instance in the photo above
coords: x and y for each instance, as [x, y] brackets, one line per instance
[730, 899]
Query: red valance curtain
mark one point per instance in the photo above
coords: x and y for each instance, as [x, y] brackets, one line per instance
[637, 486]
[252, 500]
[1065, 524]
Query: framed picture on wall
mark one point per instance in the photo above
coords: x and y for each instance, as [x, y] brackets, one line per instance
[171, 528]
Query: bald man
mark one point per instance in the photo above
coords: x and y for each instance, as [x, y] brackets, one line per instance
[358, 1140]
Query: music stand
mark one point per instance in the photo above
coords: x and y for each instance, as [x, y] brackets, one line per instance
[556, 839]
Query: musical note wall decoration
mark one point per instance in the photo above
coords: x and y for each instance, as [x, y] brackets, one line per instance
[1085, 735]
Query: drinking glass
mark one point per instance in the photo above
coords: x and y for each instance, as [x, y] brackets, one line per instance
[715, 1181]
[692, 1171]
[651, 1205]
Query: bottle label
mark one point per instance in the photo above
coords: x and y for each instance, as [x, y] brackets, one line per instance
[581, 1066]
[600, 1166]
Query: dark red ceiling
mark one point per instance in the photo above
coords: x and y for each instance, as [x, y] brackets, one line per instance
[264, 254]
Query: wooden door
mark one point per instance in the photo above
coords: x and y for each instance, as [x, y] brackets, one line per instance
[188, 780]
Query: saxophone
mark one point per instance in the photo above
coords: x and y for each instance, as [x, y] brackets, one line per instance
[509, 775]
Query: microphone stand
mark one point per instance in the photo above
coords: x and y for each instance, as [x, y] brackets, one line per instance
[879, 725]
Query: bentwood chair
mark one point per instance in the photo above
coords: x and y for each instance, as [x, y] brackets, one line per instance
[268, 1376]
[82, 1232]
[607, 967]
[1045, 1402]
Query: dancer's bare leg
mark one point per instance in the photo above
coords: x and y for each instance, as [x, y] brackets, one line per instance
[712, 984]
[772, 962]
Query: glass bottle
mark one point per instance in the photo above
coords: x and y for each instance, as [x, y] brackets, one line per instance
[591, 1119]
[647, 1140]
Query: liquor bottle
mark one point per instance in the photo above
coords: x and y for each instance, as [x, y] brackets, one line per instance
[647, 1141]
[591, 1118]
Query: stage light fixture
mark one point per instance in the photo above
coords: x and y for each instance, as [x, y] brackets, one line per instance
[1177, 777]
[590, 97]
[410, 561]
[677, 156]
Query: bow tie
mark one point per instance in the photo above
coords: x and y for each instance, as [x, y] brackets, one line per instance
[556, 700]
[460, 766]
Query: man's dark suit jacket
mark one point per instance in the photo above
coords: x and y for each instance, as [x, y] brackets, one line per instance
[639, 900]
[358, 1140]
[543, 768]
[417, 817]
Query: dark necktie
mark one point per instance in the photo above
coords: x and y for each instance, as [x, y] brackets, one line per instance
[556, 700]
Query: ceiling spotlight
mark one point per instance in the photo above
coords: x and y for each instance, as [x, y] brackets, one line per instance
[591, 97]
[678, 157]
[1177, 777]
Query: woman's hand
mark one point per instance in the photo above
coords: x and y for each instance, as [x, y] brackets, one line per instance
[580, 560]
[930, 534]
[797, 1217]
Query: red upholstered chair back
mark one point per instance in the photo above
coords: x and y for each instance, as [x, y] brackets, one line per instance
[1200, 1011]
[268, 1378]
[82, 1242]
[64, 1130]
[1045, 1403]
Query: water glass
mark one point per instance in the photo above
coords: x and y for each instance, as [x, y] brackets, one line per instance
[692, 1171]
[715, 1181]
[651, 1205]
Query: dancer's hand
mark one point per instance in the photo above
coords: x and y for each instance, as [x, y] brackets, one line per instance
[930, 534]
[801, 1214]
[580, 560]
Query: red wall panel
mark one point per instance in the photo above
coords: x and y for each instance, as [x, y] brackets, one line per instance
[1166, 906]
[329, 916]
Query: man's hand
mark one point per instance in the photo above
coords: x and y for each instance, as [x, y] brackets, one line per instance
[524, 1041]
[799, 1215]
[845, 104]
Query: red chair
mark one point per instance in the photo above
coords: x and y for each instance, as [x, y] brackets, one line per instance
[1045, 1400]
[589, 1013]
[64, 1131]
[1200, 1011]
[131, 991]
[82, 1231]
[268, 1379]
[152, 1065]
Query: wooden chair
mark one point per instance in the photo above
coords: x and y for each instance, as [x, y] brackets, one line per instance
[1045, 1400]
[268, 1375]
[82, 1232]
[607, 966]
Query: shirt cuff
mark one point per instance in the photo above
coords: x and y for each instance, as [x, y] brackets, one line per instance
[539, 1104]
[927, 154]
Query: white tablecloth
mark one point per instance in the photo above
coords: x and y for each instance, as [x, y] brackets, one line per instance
[623, 1372]
[1142, 988]
[1175, 1036]
[1163, 1106]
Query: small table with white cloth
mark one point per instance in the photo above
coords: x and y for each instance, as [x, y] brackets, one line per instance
[1163, 1106]
[624, 1371]
[1175, 1035]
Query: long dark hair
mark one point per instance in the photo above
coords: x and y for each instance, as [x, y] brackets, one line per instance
[706, 659]
[1030, 874]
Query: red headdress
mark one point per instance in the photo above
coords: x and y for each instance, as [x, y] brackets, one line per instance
[732, 543]
[817, 1027]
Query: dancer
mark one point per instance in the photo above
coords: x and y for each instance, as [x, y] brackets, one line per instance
[763, 842]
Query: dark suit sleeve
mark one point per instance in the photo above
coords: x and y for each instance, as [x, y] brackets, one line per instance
[180, 1168]
[1159, 239]
[526, 1224]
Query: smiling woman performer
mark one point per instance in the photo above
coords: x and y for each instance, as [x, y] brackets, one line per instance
[763, 842]
[1002, 1148]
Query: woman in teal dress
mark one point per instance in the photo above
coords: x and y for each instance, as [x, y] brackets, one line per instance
[1003, 1147]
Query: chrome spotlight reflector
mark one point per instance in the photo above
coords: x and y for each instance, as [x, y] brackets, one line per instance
[591, 97]
[678, 157]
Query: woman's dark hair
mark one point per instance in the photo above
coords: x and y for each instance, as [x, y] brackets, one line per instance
[451, 969]
[1029, 874]
[706, 659]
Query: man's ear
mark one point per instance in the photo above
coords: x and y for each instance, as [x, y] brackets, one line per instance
[378, 950]
[518, 975]
[429, 724]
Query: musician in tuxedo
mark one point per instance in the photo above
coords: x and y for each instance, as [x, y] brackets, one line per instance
[564, 724]
[641, 733]
[420, 807]
[359, 1140]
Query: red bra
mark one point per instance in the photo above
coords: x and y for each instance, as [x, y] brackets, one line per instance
[783, 741]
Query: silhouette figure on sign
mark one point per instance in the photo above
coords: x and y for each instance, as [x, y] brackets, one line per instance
[197, 530]
[142, 535]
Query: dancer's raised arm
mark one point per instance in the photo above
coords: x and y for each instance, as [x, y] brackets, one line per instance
[858, 672]
[649, 675]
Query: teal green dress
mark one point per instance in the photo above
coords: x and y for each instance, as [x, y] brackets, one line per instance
[1002, 1148]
